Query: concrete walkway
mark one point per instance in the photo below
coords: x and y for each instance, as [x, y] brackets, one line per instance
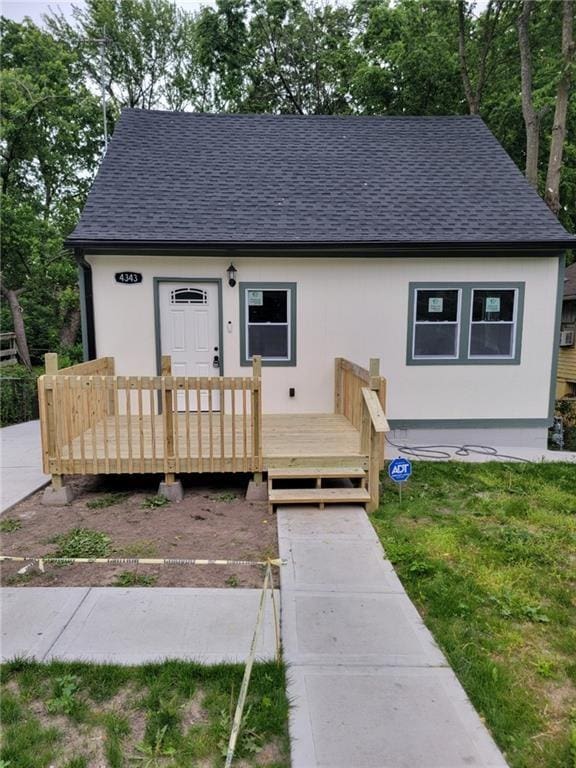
[20, 463]
[133, 626]
[369, 687]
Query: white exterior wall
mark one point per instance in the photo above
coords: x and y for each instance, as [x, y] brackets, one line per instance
[355, 308]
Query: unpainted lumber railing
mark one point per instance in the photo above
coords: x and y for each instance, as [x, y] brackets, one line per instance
[365, 411]
[94, 422]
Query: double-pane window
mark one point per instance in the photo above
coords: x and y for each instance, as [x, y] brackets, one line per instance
[462, 323]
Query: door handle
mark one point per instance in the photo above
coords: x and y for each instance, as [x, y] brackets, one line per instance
[216, 362]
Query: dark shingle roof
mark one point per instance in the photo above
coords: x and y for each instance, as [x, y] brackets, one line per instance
[570, 282]
[177, 177]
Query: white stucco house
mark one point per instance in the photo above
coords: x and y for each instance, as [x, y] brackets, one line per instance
[415, 240]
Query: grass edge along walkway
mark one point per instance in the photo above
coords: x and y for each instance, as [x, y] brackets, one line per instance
[486, 552]
[68, 713]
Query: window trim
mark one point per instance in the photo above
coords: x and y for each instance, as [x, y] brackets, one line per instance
[465, 323]
[291, 322]
[457, 323]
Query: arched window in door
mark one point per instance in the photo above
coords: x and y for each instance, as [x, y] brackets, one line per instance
[188, 296]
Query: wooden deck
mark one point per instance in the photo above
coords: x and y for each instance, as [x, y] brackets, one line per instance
[96, 422]
[223, 444]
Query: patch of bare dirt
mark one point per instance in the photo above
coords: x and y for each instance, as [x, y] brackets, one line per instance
[193, 712]
[214, 521]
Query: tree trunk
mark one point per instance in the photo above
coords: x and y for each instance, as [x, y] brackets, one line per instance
[69, 332]
[531, 117]
[552, 194]
[471, 97]
[12, 297]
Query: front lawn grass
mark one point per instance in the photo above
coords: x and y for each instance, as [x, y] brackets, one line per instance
[488, 554]
[173, 714]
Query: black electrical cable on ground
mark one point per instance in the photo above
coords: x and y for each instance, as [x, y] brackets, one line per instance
[440, 453]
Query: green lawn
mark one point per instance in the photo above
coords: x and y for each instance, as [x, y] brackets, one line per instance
[159, 715]
[488, 554]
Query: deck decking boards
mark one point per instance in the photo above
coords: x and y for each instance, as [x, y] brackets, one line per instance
[287, 439]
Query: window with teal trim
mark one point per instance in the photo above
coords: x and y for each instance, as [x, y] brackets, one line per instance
[465, 323]
[268, 323]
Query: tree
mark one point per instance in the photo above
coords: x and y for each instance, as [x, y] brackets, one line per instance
[532, 117]
[483, 32]
[409, 58]
[552, 190]
[49, 150]
[146, 44]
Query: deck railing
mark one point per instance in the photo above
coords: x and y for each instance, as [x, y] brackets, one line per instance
[360, 395]
[95, 422]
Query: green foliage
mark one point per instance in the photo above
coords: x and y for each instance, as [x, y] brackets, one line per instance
[18, 394]
[133, 579]
[50, 148]
[486, 553]
[108, 500]
[83, 542]
[140, 548]
[225, 496]
[64, 700]
[153, 502]
[163, 694]
[10, 524]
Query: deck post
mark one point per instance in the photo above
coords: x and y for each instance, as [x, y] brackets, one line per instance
[170, 488]
[378, 384]
[338, 385]
[168, 410]
[51, 363]
[51, 368]
[111, 371]
[57, 494]
[375, 441]
[374, 470]
[257, 417]
[374, 370]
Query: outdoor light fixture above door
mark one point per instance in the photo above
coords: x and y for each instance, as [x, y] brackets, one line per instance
[231, 275]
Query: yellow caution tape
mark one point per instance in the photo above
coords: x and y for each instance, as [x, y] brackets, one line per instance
[135, 560]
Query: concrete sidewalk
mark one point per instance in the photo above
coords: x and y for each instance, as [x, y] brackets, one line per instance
[133, 626]
[20, 463]
[369, 686]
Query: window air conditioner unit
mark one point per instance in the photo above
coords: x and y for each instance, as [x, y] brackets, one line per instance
[567, 339]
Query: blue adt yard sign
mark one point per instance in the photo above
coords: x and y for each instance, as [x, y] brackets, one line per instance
[399, 470]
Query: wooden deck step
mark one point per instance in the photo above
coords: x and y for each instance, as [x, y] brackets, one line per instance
[288, 473]
[318, 496]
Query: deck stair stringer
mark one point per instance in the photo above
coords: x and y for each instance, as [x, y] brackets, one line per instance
[308, 486]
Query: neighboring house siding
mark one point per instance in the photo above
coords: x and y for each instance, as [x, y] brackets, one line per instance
[567, 364]
[354, 308]
[567, 355]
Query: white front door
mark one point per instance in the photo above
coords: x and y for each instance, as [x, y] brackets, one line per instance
[190, 333]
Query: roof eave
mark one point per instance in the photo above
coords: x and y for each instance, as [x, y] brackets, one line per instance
[509, 245]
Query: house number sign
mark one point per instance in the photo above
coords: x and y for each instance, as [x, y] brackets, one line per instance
[128, 278]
